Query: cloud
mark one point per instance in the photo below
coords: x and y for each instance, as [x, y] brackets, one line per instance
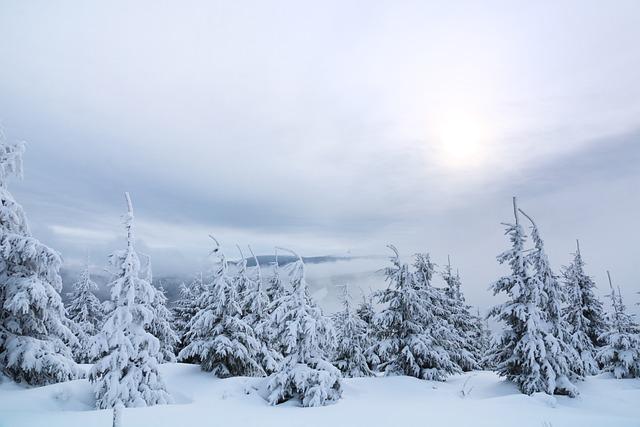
[327, 127]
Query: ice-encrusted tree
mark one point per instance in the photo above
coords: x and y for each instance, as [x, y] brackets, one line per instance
[584, 312]
[467, 351]
[126, 375]
[524, 352]
[352, 341]
[161, 326]
[186, 307]
[86, 312]
[308, 341]
[34, 336]
[621, 353]
[220, 340]
[413, 335]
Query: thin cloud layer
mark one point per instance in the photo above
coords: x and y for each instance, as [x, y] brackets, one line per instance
[332, 128]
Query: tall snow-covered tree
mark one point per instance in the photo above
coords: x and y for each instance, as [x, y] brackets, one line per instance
[127, 372]
[585, 311]
[256, 306]
[34, 336]
[413, 337]
[561, 354]
[85, 311]
[308, 342]
[621, 353]
[352, 341]
[276, 287]
[482, 336]
[161, 326]
[219, 338]
[366, 312]
[186, 307]
[453, 282]
[524, 352]
[467, 351]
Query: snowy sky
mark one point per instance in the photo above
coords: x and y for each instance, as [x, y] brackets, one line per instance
[329, 127]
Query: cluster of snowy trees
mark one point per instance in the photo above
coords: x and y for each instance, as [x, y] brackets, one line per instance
[241, 320]
[556, 330]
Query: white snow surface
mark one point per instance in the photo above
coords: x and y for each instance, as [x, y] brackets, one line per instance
[203, 400]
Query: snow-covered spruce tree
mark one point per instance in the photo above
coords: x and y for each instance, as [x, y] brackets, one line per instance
[523, 352]
[352, 341]
[186, 307]
[177, 309]
[255, 306]
[85, 311]
[482, 336]
[308, 340]
[366, 312]
[276, 287]
[579, 290]
[34, 336]
[412, 333]
[453, 282]
[561, 354]
[220, 340]
[161, 327]
[584, 313]
[467, 351]
[127, 373]
[451, 324]
[621, 353]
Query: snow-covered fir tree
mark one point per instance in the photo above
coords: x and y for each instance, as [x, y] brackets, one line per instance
[366, 312]
[352, 341]
[561, 354]
[256, 306]
[34, 332]
[584, 313]
[220, 340]
[161, 326]
[127, 372]
[86, 312]
[308, 339]
[451, 324]
[524, 352]
[621, 353]
[482, 336]
[186, 307]
[459, 315]
[453, 282]
[276, 287]
[413, 337]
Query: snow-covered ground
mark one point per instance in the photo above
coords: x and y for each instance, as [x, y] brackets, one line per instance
[202, 400]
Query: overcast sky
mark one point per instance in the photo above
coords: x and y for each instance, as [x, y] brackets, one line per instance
[329, 127]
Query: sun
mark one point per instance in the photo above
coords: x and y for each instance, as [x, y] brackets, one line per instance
[460, 141]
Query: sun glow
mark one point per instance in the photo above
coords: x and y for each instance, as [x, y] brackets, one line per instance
[460, 141]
